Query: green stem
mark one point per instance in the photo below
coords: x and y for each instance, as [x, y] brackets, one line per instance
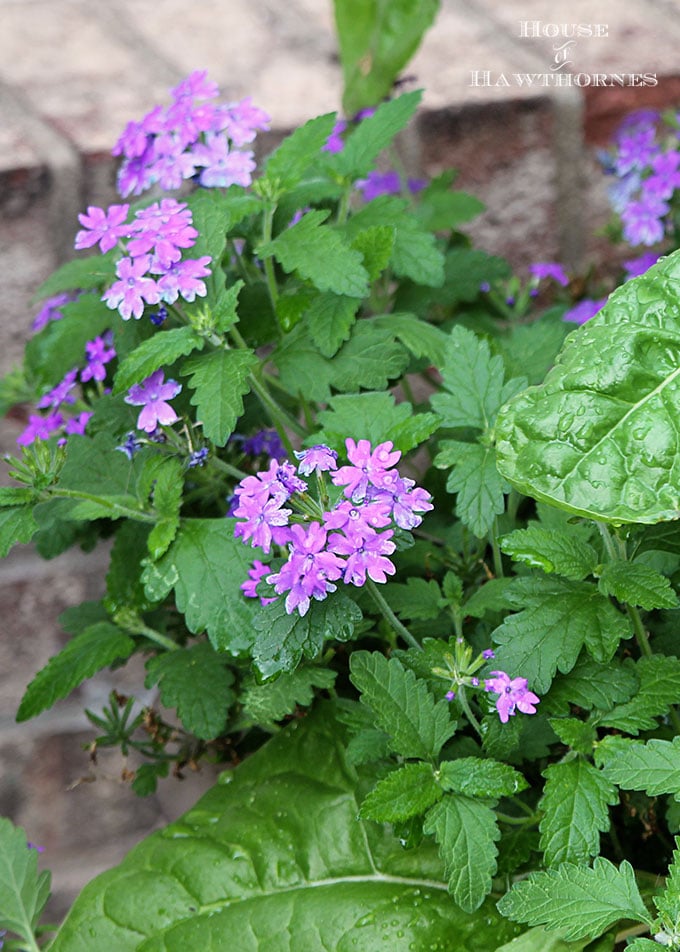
[102, 501]
[227, 468]
[467, 710]
[390, 617]
[153, 635]
[497, 558]
[516, 820]
[267, 222]
[608, 541]
[343, 206]
[408, 391]
[523, 806]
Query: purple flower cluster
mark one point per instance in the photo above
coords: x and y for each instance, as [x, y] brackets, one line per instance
[151, 270]
[98, 353]
[194, 137]
[512, 695]
[51, 309]
[584, 310]
[386, 183]
[648, 174]
[341, 543]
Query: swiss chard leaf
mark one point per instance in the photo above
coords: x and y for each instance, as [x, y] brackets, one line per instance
[238, 865]
[599, 436]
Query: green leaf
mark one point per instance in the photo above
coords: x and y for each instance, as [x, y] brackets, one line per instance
[490, 597]
[376, 42]
[272, 701]
[214, 212]
[206, 565]
[575, 805]
[473, 381]
[286, 165]
[17, 524]
[98, 646]
[373, 134]
[418, 336]
[579, 901]
[668, 903]
[330, 317]
[579, 735]
[237, 868]
[319, 253]
[124, 587]
[375, 417]
[552, 550]
[466, 270]
[369, 360]
[592, 685]
[560, 616]
[476, 480]
[474, 777]
[466, 832]
[659, 689]
[23, 891]
[418, 726]
[161, 350]
[167, 500]
[538, 940]
[196, 682]
[419, 598]
[637, 584]
[530, 349]
[441, 209]
[219, 381]
[376, 245]
[599, 436]
[652, 766]
[416, 254]
[281, 640]
[368, 746]
[406, 792]
[81, 274]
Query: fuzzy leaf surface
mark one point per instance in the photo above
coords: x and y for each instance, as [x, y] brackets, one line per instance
[475, 777]
[418, 725]
[23, 891]
[575, 804]
[466, 831]
[599, 437]
[579, 901]
[286, 165]
[406, 792]
[476, 481]
[375, 417]
[659, 688]
[274, 855]
[652, 766]
[273, 700]
[551, 550]
[639, 585]
[98, 646]
[219, 381]
[161, 350]
[17, 524]
[473, 382]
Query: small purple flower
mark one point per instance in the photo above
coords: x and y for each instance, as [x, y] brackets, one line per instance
[368, 467]
[51, 309]
[335, 142]
[241, 121]
[665, 177]
[366, 555]
[358, 518]
[637, 266]
[485, 287]
[584, 310]
[61, 393]
[450, 695]
[310, 570]
[405, 499]
[197, 457]
[512, 695]
[164, 229]
[152, 394]
[249, 588]
[134, 288]
[265, 522]
[40, 428]
[319, 457]
[183, 278]
[131, 445]
[159, 317]
[488, 654]
[221, 166]
[549, 269]
[265, 443]
[98, 352]
[76, 425]
[637, 147]
[643, 221]
[103, 227]
[196, 86]
[379, 183]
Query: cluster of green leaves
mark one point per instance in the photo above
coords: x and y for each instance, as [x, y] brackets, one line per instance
[388, 811]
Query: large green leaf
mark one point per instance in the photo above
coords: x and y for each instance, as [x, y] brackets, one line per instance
[600, 436]
[274, 858]
[23, 891]
[574, 804]
[219, 381]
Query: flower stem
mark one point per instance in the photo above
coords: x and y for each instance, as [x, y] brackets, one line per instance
[390, 617]
[267, 222]
[495, 549]
[467, 710]
[115, 507]
[153, 635]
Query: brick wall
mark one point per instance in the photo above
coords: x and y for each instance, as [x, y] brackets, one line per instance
[72, 72]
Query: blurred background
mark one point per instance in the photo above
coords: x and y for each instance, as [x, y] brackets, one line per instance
[510, 100]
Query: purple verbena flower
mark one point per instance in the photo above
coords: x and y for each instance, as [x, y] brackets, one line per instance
[152, 394]
[134, 288]
[249, 588]
[263, 522]
[512, 695]
[159, 317]
[549, 269]
[405, 499]
[40, 428]
[265, 443]
[665, 177]
[358, 518]
[61, 393]
[643, 221]
[637, 266]
[450, 695]
[51, 309]
[221, 166]
[335, 142]
[103, 227]
[241, 121]
[183, 278]
[131, 445]
[584, 310]
[366, 554]
[488, 654]
[379, 183]
[163, 229]
[310, 570]
[197, 457]
[319, 458]
[368, 467]
[636, 149]
[99, 351]
[76, 425]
